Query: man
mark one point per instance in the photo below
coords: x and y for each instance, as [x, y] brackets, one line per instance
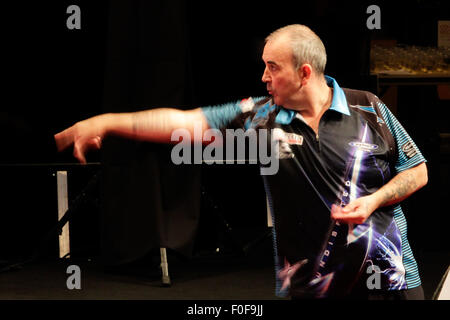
[342, 152]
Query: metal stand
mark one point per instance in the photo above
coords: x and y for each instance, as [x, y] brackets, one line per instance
[164, 268]
[64, 236]
[65, 212]
[63, 206]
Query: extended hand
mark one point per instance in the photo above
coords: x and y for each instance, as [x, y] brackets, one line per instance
[84, 135]
[357, 211]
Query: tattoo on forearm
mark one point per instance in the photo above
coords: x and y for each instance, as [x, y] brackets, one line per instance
[402, 185]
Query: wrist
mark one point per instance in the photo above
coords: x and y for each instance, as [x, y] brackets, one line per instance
[104, 124]
[376, 199]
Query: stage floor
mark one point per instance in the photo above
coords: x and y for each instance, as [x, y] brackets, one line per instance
[199, 278]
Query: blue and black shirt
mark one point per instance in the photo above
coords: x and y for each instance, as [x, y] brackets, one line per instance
[359, 147]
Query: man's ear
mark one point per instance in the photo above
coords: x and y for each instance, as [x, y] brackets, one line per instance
[305, 73]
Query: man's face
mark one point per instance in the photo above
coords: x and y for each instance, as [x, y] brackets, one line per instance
[280, 76]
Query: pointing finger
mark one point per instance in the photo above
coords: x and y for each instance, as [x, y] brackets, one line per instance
[64, 139]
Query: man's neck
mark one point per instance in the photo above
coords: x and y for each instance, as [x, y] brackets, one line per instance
[318, 100]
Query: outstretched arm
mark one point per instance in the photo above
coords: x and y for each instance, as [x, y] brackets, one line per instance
[397, 189]
[154, 125]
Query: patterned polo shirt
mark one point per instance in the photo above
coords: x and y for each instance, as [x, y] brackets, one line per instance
[359, 147]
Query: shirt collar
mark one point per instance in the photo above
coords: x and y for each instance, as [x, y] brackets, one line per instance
[339, 103]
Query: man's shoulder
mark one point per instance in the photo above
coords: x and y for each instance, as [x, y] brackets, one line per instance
[360, 97]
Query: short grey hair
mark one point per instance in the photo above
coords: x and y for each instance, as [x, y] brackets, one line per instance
[306, 46]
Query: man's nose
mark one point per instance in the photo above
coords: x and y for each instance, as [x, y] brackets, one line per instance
[265, 77]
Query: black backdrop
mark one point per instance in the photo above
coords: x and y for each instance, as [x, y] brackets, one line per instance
[134, 55]
[148, 201]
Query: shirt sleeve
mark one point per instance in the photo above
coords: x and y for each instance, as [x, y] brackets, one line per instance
[409, 154]
[220, 116]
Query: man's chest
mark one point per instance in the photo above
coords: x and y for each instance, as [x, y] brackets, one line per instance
[342, 148]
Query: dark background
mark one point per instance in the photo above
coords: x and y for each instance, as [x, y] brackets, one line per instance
[134, 55]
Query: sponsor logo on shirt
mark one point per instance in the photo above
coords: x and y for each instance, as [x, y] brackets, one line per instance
[409, 150]
[368, 147]
[292, 138]
[289, 138]
[247, 104]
